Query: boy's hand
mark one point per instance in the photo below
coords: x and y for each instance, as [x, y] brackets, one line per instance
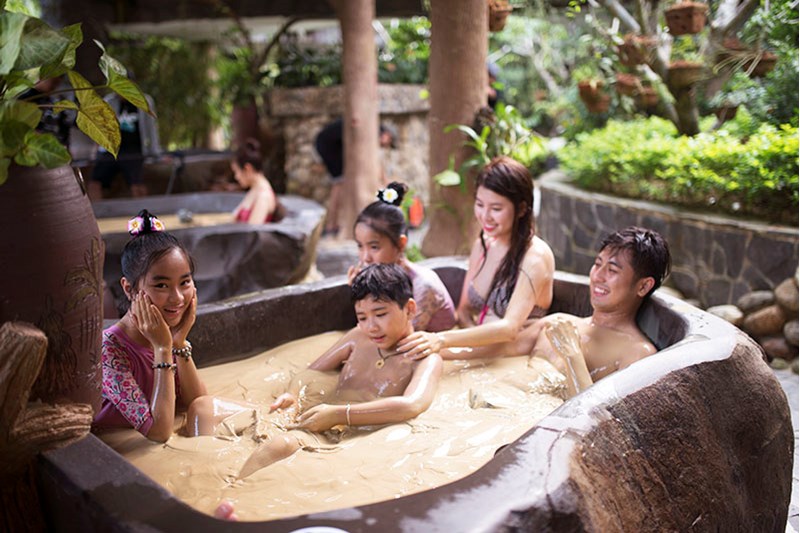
[282, 402]
[421, 344]
[320, 418]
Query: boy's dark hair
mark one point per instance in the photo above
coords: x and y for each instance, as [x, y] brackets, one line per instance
[648, 252]
[143, 250]
[388, 283]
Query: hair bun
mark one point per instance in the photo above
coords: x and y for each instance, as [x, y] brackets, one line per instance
[393, 193]
[144, 223]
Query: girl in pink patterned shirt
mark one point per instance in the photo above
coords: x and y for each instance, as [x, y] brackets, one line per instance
[147, 359]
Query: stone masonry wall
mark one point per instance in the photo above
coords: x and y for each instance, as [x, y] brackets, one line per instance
[715, 259]
[301, 113]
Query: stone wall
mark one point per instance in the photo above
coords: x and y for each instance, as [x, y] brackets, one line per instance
[715, 259]
[301, 113]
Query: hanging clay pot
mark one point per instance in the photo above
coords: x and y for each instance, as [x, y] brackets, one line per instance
[636, 49]
[499, 10]
[682, 74]
[646, 97]
[627, 84]
[51, 259]
[590, 90]
[765, 62]
[686, 17]
[726, 112]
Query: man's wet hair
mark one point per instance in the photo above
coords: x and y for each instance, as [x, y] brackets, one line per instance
[647, 250]
[387, 283]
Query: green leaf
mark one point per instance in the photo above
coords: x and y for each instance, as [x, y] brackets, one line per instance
[12, 137]
[95, 117]
[43, 149]
[129, 91]
[4, 164]
[66, 60]
[63, 105]
[11, 27]
[447, 178]
[109, 65]
[40, 45]
[27, 113]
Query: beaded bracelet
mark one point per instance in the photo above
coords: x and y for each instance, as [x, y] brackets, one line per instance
[185, 352]
[172, 366]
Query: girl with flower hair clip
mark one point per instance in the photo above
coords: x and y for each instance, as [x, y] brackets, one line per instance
[146, 357]
[381, 233]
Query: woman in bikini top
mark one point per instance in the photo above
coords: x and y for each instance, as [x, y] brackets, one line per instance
[508, 264]
[260, 205]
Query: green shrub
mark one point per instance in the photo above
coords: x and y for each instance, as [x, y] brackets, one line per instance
[752, 176]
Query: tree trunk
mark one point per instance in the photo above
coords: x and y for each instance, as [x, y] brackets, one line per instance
[360, 73]
[686, 107]
[458, 88]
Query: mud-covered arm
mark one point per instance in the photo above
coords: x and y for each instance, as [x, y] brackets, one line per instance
[566, 343]
[416, 398]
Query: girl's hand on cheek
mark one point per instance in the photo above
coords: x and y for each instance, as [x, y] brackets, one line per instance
[188, 319]
[151, 324]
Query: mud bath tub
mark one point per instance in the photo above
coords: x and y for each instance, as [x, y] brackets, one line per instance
[697, 437]
[232, 259]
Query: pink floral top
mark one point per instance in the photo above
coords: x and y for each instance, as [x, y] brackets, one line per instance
[127, 383]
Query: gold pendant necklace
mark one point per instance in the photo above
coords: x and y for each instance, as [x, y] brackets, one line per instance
[382, 361]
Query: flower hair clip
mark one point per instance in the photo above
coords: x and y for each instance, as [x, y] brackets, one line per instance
[136, 225]
[388, 196]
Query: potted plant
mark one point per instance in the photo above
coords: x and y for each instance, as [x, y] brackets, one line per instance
[686, 17]
[52, 260]
[737, 91]
[686, 67]
[591, 80]
[499, 10]
[627, 84]
[636, 49]
[646, 97]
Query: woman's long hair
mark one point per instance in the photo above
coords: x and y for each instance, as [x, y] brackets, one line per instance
[512, 180]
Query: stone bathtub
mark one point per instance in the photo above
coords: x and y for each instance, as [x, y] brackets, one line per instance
[232, 259]
[697, 437]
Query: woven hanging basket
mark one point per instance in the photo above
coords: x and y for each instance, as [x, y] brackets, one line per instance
[499, 10]
[686, 18]
[683, 74]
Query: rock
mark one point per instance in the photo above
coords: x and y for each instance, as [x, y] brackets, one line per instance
[790, 331]
[695, 302]
[787, 296]
[730, 313]
[764, 322]
[777, 348]
[672, 291]
[753, 301]
[795, 365]
[779, 364]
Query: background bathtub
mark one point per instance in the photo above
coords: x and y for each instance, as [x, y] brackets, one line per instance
[697, 437]
[232, 259]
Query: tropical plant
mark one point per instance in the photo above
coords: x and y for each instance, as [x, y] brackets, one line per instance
[31, 51]
[499, 132]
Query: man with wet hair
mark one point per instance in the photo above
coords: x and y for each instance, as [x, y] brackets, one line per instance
[629, 267]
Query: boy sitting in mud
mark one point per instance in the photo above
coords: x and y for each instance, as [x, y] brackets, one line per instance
[377, 384]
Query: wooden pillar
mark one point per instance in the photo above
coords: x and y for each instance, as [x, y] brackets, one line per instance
[360, 74]
[458, 88]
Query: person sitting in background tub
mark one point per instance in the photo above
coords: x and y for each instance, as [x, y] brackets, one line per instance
[376, 383]
[146, 357]
[510, 274]
[381, 234]
[629, 267]
[260, 205]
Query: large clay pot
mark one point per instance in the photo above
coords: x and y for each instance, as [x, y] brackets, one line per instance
[51, 259]
[682, 74]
